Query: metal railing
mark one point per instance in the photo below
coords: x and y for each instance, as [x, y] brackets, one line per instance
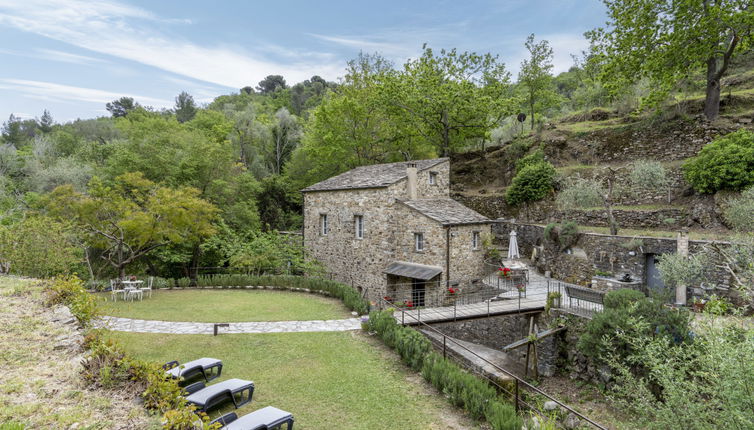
[534, 296]
[519, 383]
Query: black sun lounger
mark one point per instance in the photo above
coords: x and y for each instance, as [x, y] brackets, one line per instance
[209, 368]
[264, 419]
[205, 397]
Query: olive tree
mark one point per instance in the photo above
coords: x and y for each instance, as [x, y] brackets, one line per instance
[582, 193]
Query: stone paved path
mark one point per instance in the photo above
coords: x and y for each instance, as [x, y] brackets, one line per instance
[172, 327]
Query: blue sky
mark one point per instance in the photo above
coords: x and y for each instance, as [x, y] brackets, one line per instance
[73, 56]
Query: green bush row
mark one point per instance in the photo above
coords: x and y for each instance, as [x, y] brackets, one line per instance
[350, 297]
[463, 389]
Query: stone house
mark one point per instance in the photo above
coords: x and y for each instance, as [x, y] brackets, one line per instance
[392, 230]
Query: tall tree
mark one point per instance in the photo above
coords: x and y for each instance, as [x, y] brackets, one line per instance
[536, 78]
[271, 83]
[185, 107]
[452, 97]
[354, 125]
[46, 122]
[286, 134]
[121, 107]
[133, 217]
[669, 41]
[12, 132]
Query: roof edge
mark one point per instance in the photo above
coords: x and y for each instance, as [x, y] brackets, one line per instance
[437, 161]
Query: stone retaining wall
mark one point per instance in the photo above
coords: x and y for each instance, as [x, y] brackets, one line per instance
[499, 331]
[595, 252]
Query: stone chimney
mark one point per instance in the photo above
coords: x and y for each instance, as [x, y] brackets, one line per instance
[411, 180]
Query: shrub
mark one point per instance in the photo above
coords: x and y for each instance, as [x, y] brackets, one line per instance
[462, 389]
[549, 228]
[535, 157]
[565, 235]
[581, 193]
[69, 290]
[109, 367]
[533, 182]
[627, 315]
[568, 234]
[502, 416]
[622, 298]
[39, 247]
[725, 164]
[739, 212]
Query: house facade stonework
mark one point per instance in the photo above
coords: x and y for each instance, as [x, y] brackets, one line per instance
[392, 230]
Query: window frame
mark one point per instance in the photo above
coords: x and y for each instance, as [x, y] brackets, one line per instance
[476, 237]
[324, 224]
[419, 241]
[432, 178]
[358, 226]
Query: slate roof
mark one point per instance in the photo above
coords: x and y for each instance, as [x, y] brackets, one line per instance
[374, 176]
[413, 270]
[447, 211]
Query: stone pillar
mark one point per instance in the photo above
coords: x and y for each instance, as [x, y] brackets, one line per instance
[682, 248]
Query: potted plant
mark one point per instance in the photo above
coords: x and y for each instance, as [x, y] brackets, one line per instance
[698, 305]
[504, 272]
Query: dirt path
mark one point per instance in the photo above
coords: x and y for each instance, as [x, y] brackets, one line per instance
[40, 354]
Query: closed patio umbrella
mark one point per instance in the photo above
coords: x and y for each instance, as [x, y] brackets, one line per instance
[513, 246]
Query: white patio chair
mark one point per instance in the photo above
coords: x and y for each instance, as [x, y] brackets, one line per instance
[114, 291]
[148, 288]
[133, 293]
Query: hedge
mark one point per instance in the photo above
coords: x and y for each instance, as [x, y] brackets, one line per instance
[463, 389]
[350, 297]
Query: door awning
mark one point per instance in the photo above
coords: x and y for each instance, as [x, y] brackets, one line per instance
[413, 270]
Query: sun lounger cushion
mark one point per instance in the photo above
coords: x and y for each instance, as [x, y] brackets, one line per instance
[202, 365]
[222, 391]
[265, 418]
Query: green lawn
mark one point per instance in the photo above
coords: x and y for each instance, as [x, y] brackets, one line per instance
[343, 380]
[227, 306]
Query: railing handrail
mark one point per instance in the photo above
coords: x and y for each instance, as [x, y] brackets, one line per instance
[518, 379]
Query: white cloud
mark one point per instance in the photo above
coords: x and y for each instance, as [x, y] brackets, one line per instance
[67, 57]
[50, 91]
[128, 32]
[54, 55]
[400, 44]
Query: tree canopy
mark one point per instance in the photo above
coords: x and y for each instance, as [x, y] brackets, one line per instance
[672, 41]
[132, 216]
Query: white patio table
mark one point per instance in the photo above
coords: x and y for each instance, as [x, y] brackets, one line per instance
[132, 289]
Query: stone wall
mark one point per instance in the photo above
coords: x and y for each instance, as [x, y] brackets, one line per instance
[596, 254]
[358, 262]
[467, 263]
[699, 211]
[498, 331]
[389, 228]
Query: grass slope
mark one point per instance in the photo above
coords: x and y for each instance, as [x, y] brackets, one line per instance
[226, 306]
[41, 387]
[327, 380]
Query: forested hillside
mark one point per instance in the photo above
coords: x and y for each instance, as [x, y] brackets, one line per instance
[207, 188]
